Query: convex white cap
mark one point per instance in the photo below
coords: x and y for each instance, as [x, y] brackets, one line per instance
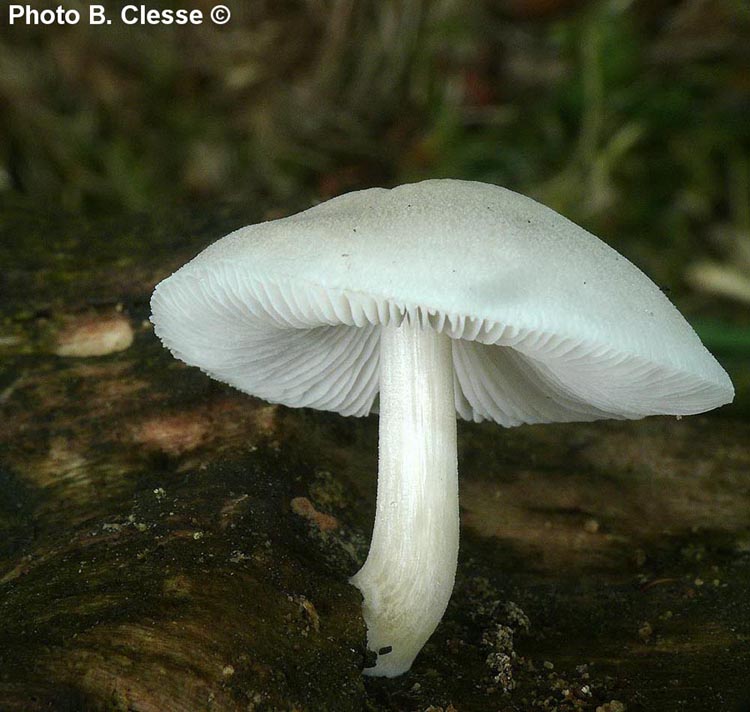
[548, 323]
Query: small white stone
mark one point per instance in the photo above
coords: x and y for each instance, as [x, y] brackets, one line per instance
[94, 337]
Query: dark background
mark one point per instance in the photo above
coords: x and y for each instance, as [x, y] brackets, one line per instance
[629, 117]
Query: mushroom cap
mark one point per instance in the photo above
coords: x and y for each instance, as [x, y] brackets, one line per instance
[548, 322]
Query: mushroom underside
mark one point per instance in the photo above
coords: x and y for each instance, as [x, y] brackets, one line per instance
[319, 348]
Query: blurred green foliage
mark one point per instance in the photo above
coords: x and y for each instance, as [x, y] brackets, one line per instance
[629, 116]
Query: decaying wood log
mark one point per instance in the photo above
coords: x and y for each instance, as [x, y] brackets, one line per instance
[167, 543]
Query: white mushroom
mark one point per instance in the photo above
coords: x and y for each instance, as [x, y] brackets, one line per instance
[441, 297]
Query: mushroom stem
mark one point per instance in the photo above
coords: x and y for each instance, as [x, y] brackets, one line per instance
[408, 577]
